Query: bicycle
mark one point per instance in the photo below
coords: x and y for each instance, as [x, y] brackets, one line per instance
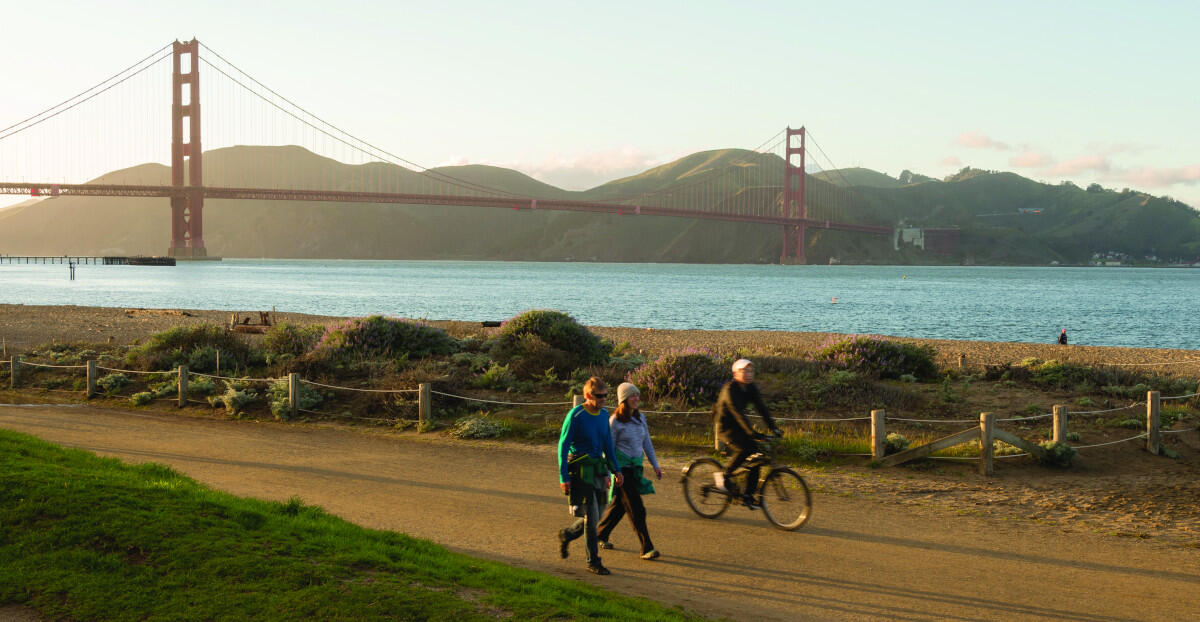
[782, 493]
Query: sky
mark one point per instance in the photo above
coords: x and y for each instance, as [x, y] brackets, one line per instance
[576, 93]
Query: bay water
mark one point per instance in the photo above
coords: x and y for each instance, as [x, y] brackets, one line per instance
[1138, 307]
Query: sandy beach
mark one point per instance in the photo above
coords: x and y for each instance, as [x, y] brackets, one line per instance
[24, 327]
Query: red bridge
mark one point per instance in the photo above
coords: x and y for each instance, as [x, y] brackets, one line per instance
[768, 185]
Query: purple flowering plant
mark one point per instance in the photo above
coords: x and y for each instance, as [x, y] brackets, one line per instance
[691, 375]
[878, 358]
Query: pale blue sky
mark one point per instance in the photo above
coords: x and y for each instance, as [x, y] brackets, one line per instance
[578, 93]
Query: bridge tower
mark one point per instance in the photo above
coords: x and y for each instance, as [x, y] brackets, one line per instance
[793, 201]
[187, 181]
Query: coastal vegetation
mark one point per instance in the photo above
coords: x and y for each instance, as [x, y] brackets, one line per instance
[482, 377]
[154, 544]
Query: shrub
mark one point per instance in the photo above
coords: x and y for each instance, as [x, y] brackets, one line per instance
[285, 340]
[880, 358]
[166, 388]
[200, 387]
[235, 397]
[278, 398]
[895, 443]
[479, 426]
[112, 383]
[141, 399]
[203, 359]
[528, 356]
[692, 376]
[1057, 454]
[562, 337]
[497, 377]
[380, 337]
[173, 347]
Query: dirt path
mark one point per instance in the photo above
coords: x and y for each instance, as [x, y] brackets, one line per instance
[857, 559]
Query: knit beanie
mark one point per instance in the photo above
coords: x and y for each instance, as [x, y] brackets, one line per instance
[627, 389]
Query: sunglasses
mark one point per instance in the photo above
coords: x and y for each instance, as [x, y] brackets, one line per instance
[600, 395]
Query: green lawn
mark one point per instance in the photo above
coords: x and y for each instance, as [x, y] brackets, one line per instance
[89, 538]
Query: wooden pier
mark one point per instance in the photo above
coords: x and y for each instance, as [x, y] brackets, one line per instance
[137, 260]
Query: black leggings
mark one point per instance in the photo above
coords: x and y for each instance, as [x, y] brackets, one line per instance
[627, 500]
[744, 446]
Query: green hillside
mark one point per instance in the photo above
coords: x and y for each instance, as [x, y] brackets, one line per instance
[858, 177]
[1003, 218]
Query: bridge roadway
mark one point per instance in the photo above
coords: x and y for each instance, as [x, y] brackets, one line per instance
[507, 202]
[857, 559]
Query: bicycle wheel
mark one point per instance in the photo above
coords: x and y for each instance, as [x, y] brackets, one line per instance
[699, 488]
[785, 499]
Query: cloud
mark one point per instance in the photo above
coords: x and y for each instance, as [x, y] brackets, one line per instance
[1030, 158]
[1151, 177]
[951, 161]
[1078, 165]
[976, 140]
[582, 170]
[1114, 148]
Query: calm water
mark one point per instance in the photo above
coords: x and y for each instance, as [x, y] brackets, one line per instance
[1097, 306]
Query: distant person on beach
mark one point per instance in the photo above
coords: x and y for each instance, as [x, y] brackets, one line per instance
[585, 459]
[631, 440]
[1062, 337]
[734, 427]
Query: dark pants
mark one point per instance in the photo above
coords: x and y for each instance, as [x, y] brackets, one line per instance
[627, 500]
[742, 447]
[587, 497]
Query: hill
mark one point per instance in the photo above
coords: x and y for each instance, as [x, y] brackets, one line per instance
[858, 177]
[1003, 218]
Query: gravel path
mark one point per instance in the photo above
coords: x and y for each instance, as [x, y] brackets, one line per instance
[860, 557]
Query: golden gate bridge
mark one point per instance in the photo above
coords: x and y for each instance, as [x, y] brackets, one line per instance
[43, 156]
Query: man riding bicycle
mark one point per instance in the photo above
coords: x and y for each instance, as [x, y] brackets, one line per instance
[734, 428]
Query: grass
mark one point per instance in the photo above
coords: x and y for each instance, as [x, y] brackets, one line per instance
[89, 538]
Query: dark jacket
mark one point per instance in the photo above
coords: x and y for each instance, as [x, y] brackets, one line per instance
[729, 413]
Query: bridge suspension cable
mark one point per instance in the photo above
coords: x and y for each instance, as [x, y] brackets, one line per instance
[336, 133]
[46, 116]
[4, 133]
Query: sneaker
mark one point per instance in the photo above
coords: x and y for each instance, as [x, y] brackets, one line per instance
[563, 542]
[598, 569]
[748, 501]
[604, 544]
[653, 554]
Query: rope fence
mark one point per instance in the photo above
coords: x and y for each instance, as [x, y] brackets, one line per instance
[475, 399]
[330, 386]
[268, 380]
[985, 433]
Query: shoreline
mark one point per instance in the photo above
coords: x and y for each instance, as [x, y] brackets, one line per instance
[25, 327]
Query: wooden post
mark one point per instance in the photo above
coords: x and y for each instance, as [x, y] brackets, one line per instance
[183, 388]
[1152, 434]
[962, 362]
[576, 400]
[1060, 424]
[987, 423]
[13, 374]
[293, 395]
[878, 434]
[424, 407]
[92, 376]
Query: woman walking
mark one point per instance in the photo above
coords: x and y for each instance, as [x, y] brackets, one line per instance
[631, 439]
